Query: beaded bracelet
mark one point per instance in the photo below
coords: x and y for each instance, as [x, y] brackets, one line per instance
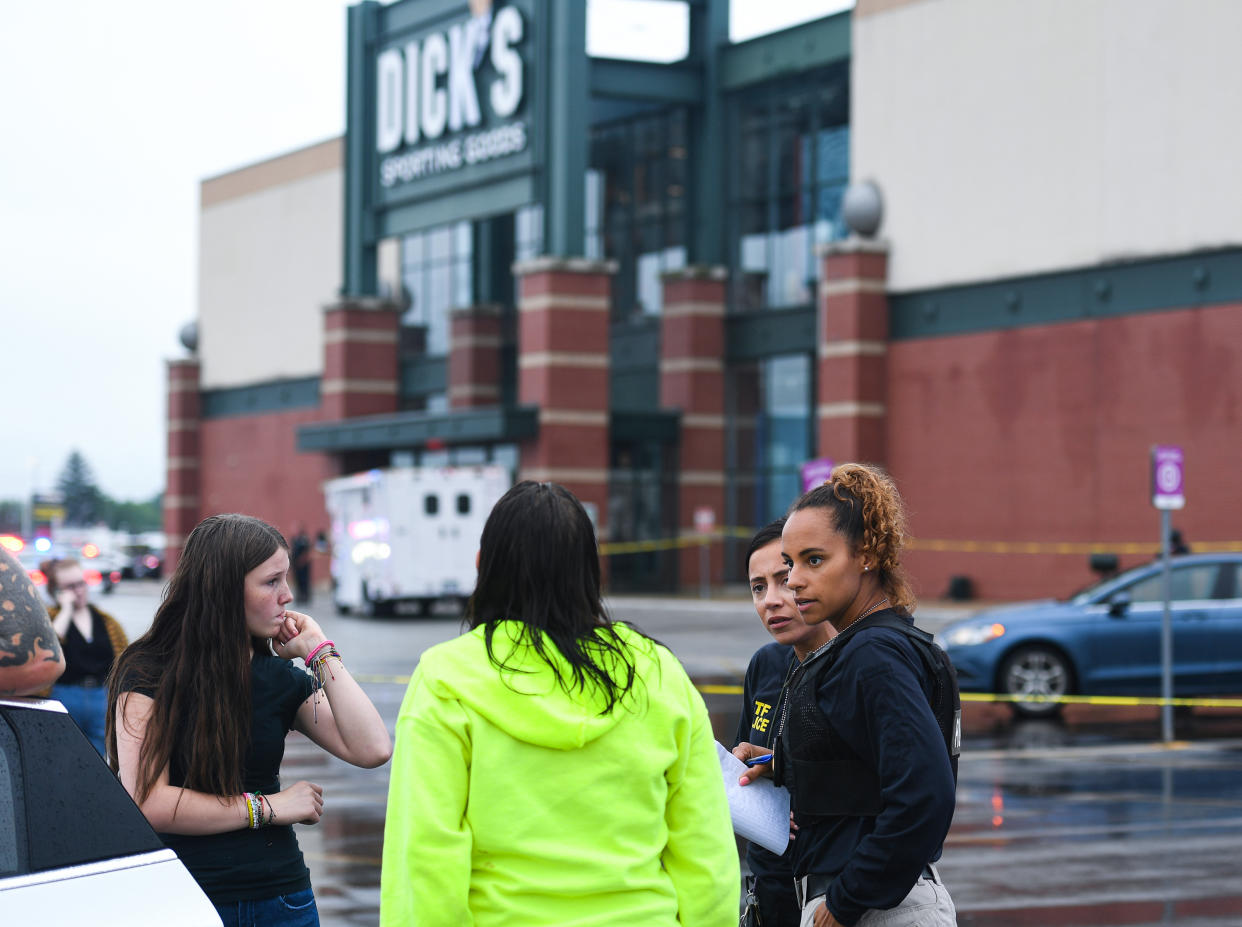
[254, 810]
[310, 658]
[318, 664]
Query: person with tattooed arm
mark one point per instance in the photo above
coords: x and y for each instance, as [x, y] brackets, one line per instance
[30, 654]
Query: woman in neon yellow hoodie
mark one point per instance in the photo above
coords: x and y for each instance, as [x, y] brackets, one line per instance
[552, 767]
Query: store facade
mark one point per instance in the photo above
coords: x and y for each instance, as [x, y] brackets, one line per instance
[635, 279]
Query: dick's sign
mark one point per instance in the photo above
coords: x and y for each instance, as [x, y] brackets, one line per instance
[452, 96]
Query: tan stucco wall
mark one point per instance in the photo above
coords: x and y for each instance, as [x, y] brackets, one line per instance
[1013, 137]
[269, 259]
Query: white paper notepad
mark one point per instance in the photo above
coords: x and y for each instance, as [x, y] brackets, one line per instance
[760, 810]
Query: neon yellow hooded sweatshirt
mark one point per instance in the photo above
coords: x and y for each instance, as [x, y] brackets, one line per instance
[515, 803]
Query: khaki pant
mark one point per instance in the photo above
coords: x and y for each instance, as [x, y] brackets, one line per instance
[927, 905]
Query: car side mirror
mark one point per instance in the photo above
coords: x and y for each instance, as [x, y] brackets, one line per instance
[1118, 604]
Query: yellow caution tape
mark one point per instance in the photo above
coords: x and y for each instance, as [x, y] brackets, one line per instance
[1115, 700]
[1061, 547]
[720, 690]
[1110, 700]
[381, 679]
[1148, 548]
[688, 540]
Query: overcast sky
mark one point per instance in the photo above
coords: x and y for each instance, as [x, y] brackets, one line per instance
[112, 113]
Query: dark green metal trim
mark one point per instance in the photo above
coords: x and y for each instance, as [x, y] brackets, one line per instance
[756, 335]
[790, 51]
[662, 426]
[358, 273]
[564, 126]
[403, 17]
[499, 197]
[678, 83]
[423, 376]
[706, 228]
[260, 398]
[414, 429]
[489, 174]
[1107, 290]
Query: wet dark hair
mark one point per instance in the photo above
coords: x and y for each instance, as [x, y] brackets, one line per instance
[868, 512]
[195, 660]
[539, 566]
[763, 537]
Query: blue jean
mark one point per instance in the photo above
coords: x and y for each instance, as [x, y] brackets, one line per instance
[293, 910]
[87, 706]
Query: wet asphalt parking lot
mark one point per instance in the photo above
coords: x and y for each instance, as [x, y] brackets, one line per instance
[1083, 820]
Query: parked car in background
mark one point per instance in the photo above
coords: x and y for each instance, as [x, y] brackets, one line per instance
[101, 569]
[142, 562]
[102, 574]
[1106, 639]
[74, 848]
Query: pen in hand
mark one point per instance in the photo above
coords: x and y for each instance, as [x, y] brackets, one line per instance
[758, 760]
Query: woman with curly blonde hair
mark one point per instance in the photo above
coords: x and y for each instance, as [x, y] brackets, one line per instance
[860, 745]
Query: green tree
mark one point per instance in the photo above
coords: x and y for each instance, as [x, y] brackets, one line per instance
[11, 511]
[85, 504]
[135, 516]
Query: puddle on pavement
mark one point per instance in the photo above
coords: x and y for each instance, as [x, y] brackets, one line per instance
[1202, 912]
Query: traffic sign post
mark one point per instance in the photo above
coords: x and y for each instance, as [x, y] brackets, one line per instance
[1167, 494]
[815, 473]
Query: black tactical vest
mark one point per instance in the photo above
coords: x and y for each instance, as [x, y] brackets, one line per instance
[823, 775]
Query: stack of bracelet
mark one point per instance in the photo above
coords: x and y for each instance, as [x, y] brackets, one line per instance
[254, 810]
[317, 663]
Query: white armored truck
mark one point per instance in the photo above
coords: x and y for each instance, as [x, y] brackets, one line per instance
[405, 538]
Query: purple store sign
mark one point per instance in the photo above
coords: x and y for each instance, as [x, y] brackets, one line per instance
[1167, 477]
[815, 472]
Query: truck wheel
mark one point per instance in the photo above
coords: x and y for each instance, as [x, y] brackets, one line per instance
[1039, 670]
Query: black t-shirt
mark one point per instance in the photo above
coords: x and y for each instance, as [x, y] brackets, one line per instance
[765, 676]
[85, 658]
[243, 865]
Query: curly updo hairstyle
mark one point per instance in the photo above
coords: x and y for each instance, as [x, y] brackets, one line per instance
[868, 512]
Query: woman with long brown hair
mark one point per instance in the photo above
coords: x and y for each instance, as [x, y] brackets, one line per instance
[199, 707]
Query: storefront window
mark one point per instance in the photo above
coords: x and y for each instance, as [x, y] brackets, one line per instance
[636, 191]
[528, 232]
[786, 188]
[769, 436]
[436, 268]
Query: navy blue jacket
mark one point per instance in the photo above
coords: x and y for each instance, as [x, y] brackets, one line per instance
[757, 725]
[875, 698]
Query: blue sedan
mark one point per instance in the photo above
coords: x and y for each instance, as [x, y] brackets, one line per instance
[1106, 639]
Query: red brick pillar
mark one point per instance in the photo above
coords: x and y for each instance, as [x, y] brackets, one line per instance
[474, 357]
[692, 348]
[181, 490]
[563, 322]
[360, 367]
[853, 352]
